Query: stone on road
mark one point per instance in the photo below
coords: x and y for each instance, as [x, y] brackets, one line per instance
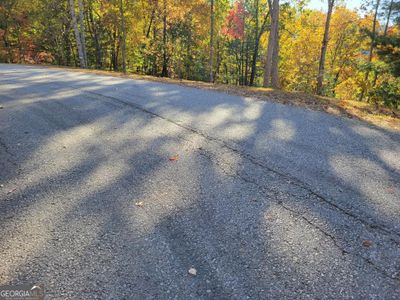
[260, 200]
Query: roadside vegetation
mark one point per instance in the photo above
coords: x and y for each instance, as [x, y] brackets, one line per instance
[341, 61]
[379, 116]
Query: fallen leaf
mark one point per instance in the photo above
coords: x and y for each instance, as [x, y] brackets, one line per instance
[174, 158]
[269, 218]
[139, 204]
[192, 271]
[12, 191]
[367, 243]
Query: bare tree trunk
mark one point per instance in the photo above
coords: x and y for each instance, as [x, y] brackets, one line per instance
[271, 78]
[275, 54]
[257, 37]
[115, 49]
[321, 70]
[268, 60]
[388, 17]
[246, 68]
[82, 31]
[8, 10]
[219, 59]
[212, 42]
[123, 31]
[371, 48]
[151, 22]
[7, 45]
[164, 72]
[77, 34]
[256, 43]
[390, 8]
[241, 63]
[96, 38]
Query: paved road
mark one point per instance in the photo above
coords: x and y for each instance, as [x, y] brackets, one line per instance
[265, 201]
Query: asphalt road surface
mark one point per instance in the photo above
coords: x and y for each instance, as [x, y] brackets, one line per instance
[113, 189]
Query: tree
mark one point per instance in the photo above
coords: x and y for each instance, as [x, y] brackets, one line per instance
[371, 49]
[212, 40]
[324, 47]
[271, 77]
[389, 7]
[246, 42]
[123, 37]
[82, 30]
[78, 35]
[164, 72]
[388, 44]
[257, 36]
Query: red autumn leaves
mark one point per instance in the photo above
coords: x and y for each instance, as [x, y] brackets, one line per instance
[234, 22]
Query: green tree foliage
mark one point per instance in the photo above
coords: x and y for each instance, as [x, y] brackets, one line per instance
[388, 45]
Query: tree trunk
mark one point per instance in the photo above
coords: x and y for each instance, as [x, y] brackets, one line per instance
[257, 36]
[82, 61]
[388, 17]
[212, 42]
[115, 49]
[7, 45]
[371, 49]
[82, 31]
[123, 31]
[241, 63]
[96, 37]
[256, 43]
[246, 69]
[164, 72]
[219, 60]
[150, 23]
[321, 70]
[275, 54]
[271, 78]
[384, 35]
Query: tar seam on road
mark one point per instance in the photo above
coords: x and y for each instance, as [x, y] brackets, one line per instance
[290, 179]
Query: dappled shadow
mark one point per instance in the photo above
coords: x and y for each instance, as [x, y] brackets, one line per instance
[264, 201]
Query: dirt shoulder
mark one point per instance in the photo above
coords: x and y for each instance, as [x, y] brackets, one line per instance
[377, 116]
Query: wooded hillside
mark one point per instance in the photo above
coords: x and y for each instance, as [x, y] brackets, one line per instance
[347, 54]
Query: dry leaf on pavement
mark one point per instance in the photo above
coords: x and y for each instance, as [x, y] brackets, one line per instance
[174, 158]
[367, 243]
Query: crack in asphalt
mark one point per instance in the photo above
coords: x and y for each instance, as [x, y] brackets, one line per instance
[5, 147]
[299, 215]
[9, 154]
[261, 164]
[236, 149]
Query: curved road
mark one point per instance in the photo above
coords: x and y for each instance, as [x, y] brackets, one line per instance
[114, 188]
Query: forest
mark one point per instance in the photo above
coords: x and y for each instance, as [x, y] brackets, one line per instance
[338, 52]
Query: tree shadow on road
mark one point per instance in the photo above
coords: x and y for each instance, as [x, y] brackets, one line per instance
[252, 224]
